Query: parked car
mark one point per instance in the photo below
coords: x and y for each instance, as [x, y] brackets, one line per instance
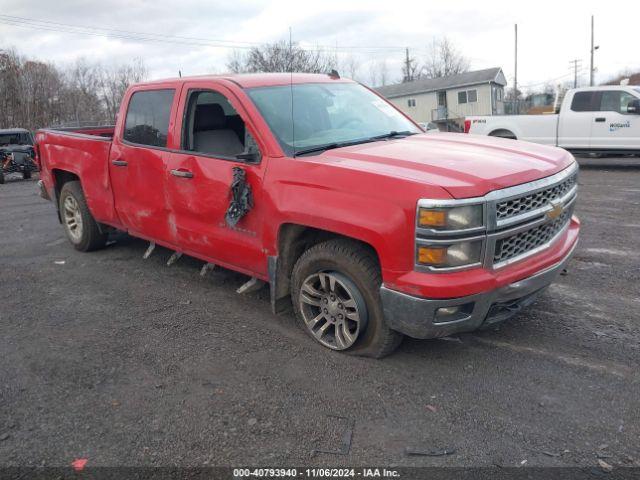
[16, 153]
[367, 229]
[602, 119]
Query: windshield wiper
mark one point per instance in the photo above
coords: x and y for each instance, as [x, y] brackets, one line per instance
[329, 146]
[320, 148]
[392, 134]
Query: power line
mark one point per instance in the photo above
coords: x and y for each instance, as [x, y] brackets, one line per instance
[529, 85]
[35, 22]
[118, 34]
[60, 27]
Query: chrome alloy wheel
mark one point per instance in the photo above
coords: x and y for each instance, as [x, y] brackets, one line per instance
[333, 309]
[72, 218]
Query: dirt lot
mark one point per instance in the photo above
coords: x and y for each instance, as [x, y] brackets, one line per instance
[126, 361]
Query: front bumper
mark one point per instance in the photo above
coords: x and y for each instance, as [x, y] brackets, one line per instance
[423, 318]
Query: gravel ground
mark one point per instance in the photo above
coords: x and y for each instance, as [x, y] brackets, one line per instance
[125, 361]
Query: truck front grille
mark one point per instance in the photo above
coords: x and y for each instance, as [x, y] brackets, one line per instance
[519, 221]
[532, 201]
[522, 243]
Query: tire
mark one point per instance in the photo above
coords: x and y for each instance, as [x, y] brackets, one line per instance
[26, 175]
[356, 274]
[86, 236]
[1, 176]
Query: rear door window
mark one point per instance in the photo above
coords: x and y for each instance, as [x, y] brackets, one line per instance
[147, 121]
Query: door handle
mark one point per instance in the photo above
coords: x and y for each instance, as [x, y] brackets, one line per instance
[182, 173]
[601, 119]
[119, 163]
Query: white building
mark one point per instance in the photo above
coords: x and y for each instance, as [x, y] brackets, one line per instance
[447, 100]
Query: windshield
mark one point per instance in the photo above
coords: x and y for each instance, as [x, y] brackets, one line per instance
[16, 138]
[327, 114]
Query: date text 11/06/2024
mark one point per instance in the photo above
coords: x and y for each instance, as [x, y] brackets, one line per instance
[315, 473]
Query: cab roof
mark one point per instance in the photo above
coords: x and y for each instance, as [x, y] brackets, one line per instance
[252, 80]
[4, 131]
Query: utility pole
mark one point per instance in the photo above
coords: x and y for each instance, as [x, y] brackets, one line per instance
[515, 76]
[593, 49]
[576, 64]
[407, 63]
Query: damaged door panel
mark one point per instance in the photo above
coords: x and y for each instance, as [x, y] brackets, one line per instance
[207, 182]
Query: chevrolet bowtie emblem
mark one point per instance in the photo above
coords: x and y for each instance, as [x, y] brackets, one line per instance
[556, 210]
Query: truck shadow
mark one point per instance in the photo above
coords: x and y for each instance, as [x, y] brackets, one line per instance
[223, 283]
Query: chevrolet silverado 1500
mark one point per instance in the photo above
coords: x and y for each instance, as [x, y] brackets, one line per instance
[369, 228]
[594, 119]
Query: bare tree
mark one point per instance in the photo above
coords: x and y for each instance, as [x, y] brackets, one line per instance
[10, 88]
[411, 69]
[41, 86]
[29, 92]
[80, 98]
[349, 66]
[114, 81]
[35, 94]
[444, 60]
[379, 73]
[280, 57]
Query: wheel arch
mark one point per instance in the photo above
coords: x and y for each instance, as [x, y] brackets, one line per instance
[503, 133]
[60, 177]
[292, 241]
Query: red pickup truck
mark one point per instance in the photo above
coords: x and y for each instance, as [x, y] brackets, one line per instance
[320, 187]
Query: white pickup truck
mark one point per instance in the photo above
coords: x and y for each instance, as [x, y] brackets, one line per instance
[602, 119]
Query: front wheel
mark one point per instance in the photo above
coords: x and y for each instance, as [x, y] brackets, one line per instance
[1, 176]
[335, 294]
[81, 228]
[26, 174]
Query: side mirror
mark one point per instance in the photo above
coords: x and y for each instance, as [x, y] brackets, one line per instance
[634, 107]
[249, 156]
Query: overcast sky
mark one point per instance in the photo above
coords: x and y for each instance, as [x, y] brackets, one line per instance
[550, 33]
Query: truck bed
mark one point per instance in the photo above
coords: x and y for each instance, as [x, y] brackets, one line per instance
[85, 153]
[105, 131]
[532, 128]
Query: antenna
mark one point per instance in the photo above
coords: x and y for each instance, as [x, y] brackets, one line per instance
[293, 128]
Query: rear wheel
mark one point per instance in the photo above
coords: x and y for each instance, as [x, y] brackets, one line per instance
[1, 176]
[335, 293]
[81, 228]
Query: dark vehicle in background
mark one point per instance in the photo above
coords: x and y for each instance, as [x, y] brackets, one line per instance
[17, 153]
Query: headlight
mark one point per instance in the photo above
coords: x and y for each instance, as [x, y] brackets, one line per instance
[451, 255]
[451, 218]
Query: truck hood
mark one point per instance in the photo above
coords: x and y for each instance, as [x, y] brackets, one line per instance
[465, 165]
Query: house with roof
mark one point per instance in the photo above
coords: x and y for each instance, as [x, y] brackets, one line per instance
[447, 100]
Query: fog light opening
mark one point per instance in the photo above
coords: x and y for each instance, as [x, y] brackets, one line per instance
[453, 313]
